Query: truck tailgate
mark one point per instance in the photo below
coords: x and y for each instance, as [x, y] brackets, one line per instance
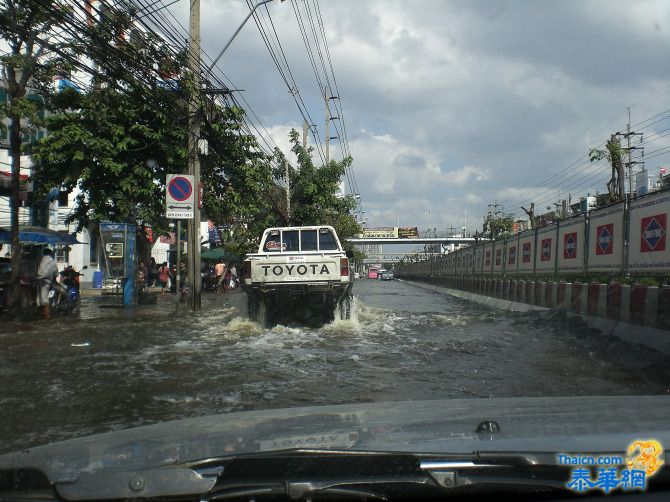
[295, 268]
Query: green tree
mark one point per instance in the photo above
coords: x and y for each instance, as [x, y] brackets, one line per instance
[497, 227]
[613, 152]
[31, 62]
[117, 141]
[314, 192]
[116, 148]
[239, 186]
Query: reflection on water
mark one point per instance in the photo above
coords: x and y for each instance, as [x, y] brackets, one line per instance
[115, 368]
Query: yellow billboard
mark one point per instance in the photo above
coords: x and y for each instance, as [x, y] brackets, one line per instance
[380, 233]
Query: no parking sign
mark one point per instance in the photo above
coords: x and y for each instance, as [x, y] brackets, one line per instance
[179, 196]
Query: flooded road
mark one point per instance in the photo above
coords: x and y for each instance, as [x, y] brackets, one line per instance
[114, 368]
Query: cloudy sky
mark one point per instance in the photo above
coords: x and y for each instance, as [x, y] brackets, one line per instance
[451, 106]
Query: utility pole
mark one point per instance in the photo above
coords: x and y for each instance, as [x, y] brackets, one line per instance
[329, 117]
[193, 159]
[531, 215]
[629, 150]
[630, 156]
[288, 192]
[327, 130]
[304, 134]
[465, 224]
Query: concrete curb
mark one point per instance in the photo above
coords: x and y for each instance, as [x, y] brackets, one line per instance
[656, 339]
[474, 297]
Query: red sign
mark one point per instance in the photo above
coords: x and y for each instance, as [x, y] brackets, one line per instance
[546, 250]
[149, 233]
[653, 230]
[570, 246]
[605, 239]
[488, 258]
[526, 252]
[511, 255]
[180, 189]
[498, 256]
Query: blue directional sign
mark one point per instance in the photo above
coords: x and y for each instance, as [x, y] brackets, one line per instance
[179, 196]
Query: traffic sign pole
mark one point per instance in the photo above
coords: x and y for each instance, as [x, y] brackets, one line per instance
[177, 274]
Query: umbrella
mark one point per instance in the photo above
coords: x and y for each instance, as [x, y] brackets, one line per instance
[38, 235]
[217, 254]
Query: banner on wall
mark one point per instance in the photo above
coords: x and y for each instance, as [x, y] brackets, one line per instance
[570, 256]
[498, 257]
[460, 262]
[478, 259]
[511, 260]
[469, 256]
[605, 239]
[649, 250]
[488, 259]
[545, 251]
[526, 252]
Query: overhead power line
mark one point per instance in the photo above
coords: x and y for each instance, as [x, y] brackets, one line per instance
[573, 177]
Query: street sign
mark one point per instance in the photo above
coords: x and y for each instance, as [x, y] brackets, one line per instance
[179, 197]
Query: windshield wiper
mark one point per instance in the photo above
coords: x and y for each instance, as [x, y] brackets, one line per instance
[302, 474]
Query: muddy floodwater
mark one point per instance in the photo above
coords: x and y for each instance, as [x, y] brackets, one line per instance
[115, 368]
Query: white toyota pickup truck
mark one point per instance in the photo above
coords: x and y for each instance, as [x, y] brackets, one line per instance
[299, 274]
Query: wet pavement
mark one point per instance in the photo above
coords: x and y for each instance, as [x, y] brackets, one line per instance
[113, 368]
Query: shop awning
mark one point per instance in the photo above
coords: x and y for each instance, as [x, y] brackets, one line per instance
[38, 235]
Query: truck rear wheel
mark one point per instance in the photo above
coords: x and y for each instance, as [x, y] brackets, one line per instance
[256, 310]
[344, 306]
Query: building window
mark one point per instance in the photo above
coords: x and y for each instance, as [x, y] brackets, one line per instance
[93, 247]
[62, 254]
[63, 199]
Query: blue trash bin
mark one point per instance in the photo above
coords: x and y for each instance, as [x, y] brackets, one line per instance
[97, 279]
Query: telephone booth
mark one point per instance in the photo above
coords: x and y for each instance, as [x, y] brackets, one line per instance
[118, 245]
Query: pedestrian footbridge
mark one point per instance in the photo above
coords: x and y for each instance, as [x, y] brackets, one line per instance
[413, 240]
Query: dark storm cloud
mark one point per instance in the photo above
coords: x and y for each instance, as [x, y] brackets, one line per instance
[461, 101]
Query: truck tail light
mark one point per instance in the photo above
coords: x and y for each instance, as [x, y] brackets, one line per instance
[246, 269]
[344, 267]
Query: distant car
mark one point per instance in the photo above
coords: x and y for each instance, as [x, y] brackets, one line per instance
[380, 273]
[387, 275]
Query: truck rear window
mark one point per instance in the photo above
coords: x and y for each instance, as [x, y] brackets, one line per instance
[327, 240]
[272, 242]
[290, 240]
[300, 240]
[308, 240]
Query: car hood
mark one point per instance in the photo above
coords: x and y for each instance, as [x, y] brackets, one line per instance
[560, 424]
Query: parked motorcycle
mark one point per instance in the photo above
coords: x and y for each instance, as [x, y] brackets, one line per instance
[64, 295]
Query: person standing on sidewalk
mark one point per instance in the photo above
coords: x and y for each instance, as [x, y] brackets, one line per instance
[153, 272]
[46, 275]
[220, 272]
[163, 276]
[233, 277]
